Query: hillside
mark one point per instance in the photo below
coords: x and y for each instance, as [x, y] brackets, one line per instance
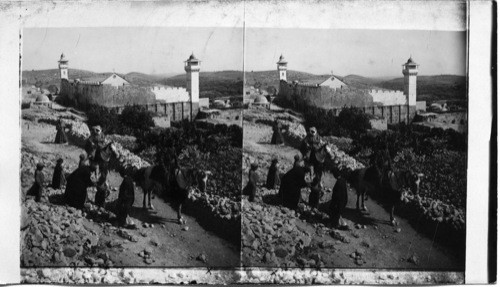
[213, 84]
[433, 88]
[360, 82]
[51, 77]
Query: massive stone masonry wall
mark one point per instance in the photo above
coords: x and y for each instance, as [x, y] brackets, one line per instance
[83, 94]
[170, 94]
[388, 97]
[324, 96]
[303, 97]
[176, 111]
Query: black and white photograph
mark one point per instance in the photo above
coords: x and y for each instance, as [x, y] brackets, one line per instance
[131, 147]
[355, 143]
[291, 142]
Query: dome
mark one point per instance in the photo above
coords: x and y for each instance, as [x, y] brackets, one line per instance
[260, 100]
[282, 60]
[42, 99]
[192, 58]
[63, 58]
[410, 62]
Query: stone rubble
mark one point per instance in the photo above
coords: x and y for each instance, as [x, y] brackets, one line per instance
[53, 235]
[271, 237]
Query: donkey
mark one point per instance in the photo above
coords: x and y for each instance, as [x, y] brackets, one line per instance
[184, 180]
[177, 183]
[393, 184]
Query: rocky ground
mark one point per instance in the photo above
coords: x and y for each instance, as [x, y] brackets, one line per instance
[276, 236]
[56, 235]
[272, 236]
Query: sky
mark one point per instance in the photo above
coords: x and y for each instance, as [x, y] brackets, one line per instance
[151, 50]
[370, 53]
[159, 50]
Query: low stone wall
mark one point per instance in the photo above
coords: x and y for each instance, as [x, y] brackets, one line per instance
[219, 214]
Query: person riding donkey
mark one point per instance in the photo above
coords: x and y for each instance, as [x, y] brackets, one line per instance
[310, 145]
[98, 153]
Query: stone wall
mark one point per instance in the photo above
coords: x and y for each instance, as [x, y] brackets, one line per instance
[391, 114]
[388, 97]
[83, 94]
[325, 97]
[303, 96]
[170, 94]
[176, 111]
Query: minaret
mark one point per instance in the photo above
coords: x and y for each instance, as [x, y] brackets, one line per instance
[63, 67]
[410, 71]
[282, 68]
[192, 68]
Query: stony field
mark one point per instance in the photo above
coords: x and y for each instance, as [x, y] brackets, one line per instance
[56, 235]
[276, 236]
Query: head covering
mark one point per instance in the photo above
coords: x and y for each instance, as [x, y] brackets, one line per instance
[297, 158]
[275, 160]
[253, 165]
[96, 127]
[312, 130]
[40, 165]
[60, 160]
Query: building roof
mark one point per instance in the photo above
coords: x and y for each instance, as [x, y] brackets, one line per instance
[42, 99]
[63, 59]
[316, 81]
[261, 100]
[320, 80]
[410, 62]
[192, 58]
[282, 60]
[101, 77]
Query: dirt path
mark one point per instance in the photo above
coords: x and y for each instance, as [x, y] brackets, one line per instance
[168, 244]
[371, 237]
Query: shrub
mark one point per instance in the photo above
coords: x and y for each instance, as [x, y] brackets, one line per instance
[133, 121]
[136, 119]
[106, 118]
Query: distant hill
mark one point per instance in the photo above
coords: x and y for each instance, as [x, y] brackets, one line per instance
[213, 84]
[142, 79]
[433, 88]
[51, 77]
[360, 82]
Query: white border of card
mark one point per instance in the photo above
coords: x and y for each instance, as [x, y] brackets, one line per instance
[425, 15]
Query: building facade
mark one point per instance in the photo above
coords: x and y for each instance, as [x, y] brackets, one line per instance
[114, 91]
[332, 93]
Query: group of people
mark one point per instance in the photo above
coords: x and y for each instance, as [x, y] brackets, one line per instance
[59, 177]
[290, 184]
[92, 171]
